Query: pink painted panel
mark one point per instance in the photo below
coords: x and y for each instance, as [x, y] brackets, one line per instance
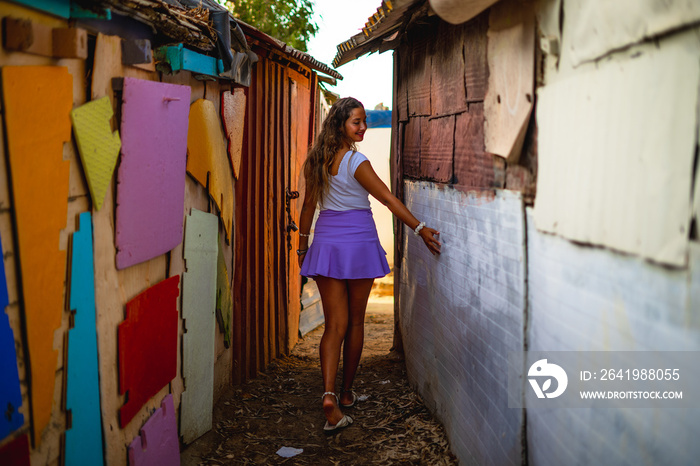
[158, 444]
[151, 176]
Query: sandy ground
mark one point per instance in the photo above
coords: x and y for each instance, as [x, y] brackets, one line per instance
[282, 408]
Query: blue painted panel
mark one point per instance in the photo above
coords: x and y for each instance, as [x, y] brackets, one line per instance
[55, 7]
[84, 438]
[10, 394]
[378, 118]
[180, 58]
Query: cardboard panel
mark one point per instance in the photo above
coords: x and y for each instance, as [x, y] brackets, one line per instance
[97, 144]
[233, 106]
[10, 393]
[151, 177]
[511, 61]
[157, 445]
[198, 312]
[37, 102]
[83, 440]
[602, 178]
[207, 161]
[148, 345]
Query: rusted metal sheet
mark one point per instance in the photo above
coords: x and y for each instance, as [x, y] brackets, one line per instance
[437, 144]
[474, 168]
[411, 148]
[447, 88]
[418, 73]
[476, 71]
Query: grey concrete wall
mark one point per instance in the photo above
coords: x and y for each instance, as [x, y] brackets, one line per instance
[462, 313]
[592, 299]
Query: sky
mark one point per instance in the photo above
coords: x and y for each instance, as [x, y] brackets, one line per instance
[368, 78]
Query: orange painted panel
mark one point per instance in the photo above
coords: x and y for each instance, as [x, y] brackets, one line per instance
[206, 155]
[38, 101]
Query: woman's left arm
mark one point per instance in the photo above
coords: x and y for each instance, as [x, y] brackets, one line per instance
[369, 180]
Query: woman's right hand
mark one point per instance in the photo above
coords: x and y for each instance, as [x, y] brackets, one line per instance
[429, 236]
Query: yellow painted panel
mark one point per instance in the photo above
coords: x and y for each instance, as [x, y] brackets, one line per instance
[99, 147]
[38, 100]
[206, 155]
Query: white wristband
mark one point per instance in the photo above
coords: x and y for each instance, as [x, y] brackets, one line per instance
[418, 228]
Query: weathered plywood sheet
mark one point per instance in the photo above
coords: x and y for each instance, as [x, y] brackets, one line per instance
[447, 91]
[597, 27]
[615, 158]
[83, 440]
[511, 61]
[97, 144]
[10, 393]
[437, 147]
[148, 345]
[207, 161]
[37, 106]
[412, 148]
[157, 444]
[418, 73]
[476, 71]
[233, 105]
[198, 312]
[474, 168]
[151, 176]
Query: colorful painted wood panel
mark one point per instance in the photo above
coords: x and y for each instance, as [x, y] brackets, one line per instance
[224, 303]
[10, 393]
[233, 115]
[97, 144]
[16, 453]
[198, 312]
[158, 444]
[57, 7]
[83, 440]
[38, 100]
[207, 158]
[151, 176]
[148, 345]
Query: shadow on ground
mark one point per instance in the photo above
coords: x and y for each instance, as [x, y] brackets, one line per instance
[282, 408]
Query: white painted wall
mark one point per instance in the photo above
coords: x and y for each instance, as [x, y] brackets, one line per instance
[377, 147]
[462, 313]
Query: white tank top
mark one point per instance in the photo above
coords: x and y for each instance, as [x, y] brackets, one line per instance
[345, 192]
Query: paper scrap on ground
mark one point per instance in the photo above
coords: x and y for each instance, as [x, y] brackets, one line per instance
[289, 452]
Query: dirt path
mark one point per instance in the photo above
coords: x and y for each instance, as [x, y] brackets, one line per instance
[282, 408]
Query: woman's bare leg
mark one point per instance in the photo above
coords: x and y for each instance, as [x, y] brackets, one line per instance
[334, 296]
[358, 294]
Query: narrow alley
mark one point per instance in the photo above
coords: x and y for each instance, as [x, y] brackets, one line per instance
[281, 408]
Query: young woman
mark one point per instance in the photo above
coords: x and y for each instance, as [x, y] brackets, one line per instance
[345, 256]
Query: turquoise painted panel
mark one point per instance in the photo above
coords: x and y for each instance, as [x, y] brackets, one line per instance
[10, 394]
[179, 58]
[198, 311]
[84, 438]
[55, 7]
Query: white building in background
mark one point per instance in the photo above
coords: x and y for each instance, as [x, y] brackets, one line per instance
[377, 147]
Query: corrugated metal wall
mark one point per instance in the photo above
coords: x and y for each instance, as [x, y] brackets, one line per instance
[266, 280]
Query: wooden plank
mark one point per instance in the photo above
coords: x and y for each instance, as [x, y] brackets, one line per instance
[97, 144]
[257, 212]
[148, 345]
[418, 72]
[511, 62]
[175, 58]
[207, 161]
[447, 85]
[474, 167]
[199, 314]
[151, 175]
[157, 444]
[136, 52]
[267, 213]
[437, 149]
[114, 288]
[401, 63]
[233, 105]
[223, 297]
[25, 35]
[37, 101]
[83, 438]
[10, 393]
[412, 147]
[476, 71]
[281, 270]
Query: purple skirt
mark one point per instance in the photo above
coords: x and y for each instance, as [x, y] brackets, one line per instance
[345, 246]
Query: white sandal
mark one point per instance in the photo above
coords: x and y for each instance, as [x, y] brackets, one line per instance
[344, 422]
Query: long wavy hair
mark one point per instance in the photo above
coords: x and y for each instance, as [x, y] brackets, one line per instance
[329, 141]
